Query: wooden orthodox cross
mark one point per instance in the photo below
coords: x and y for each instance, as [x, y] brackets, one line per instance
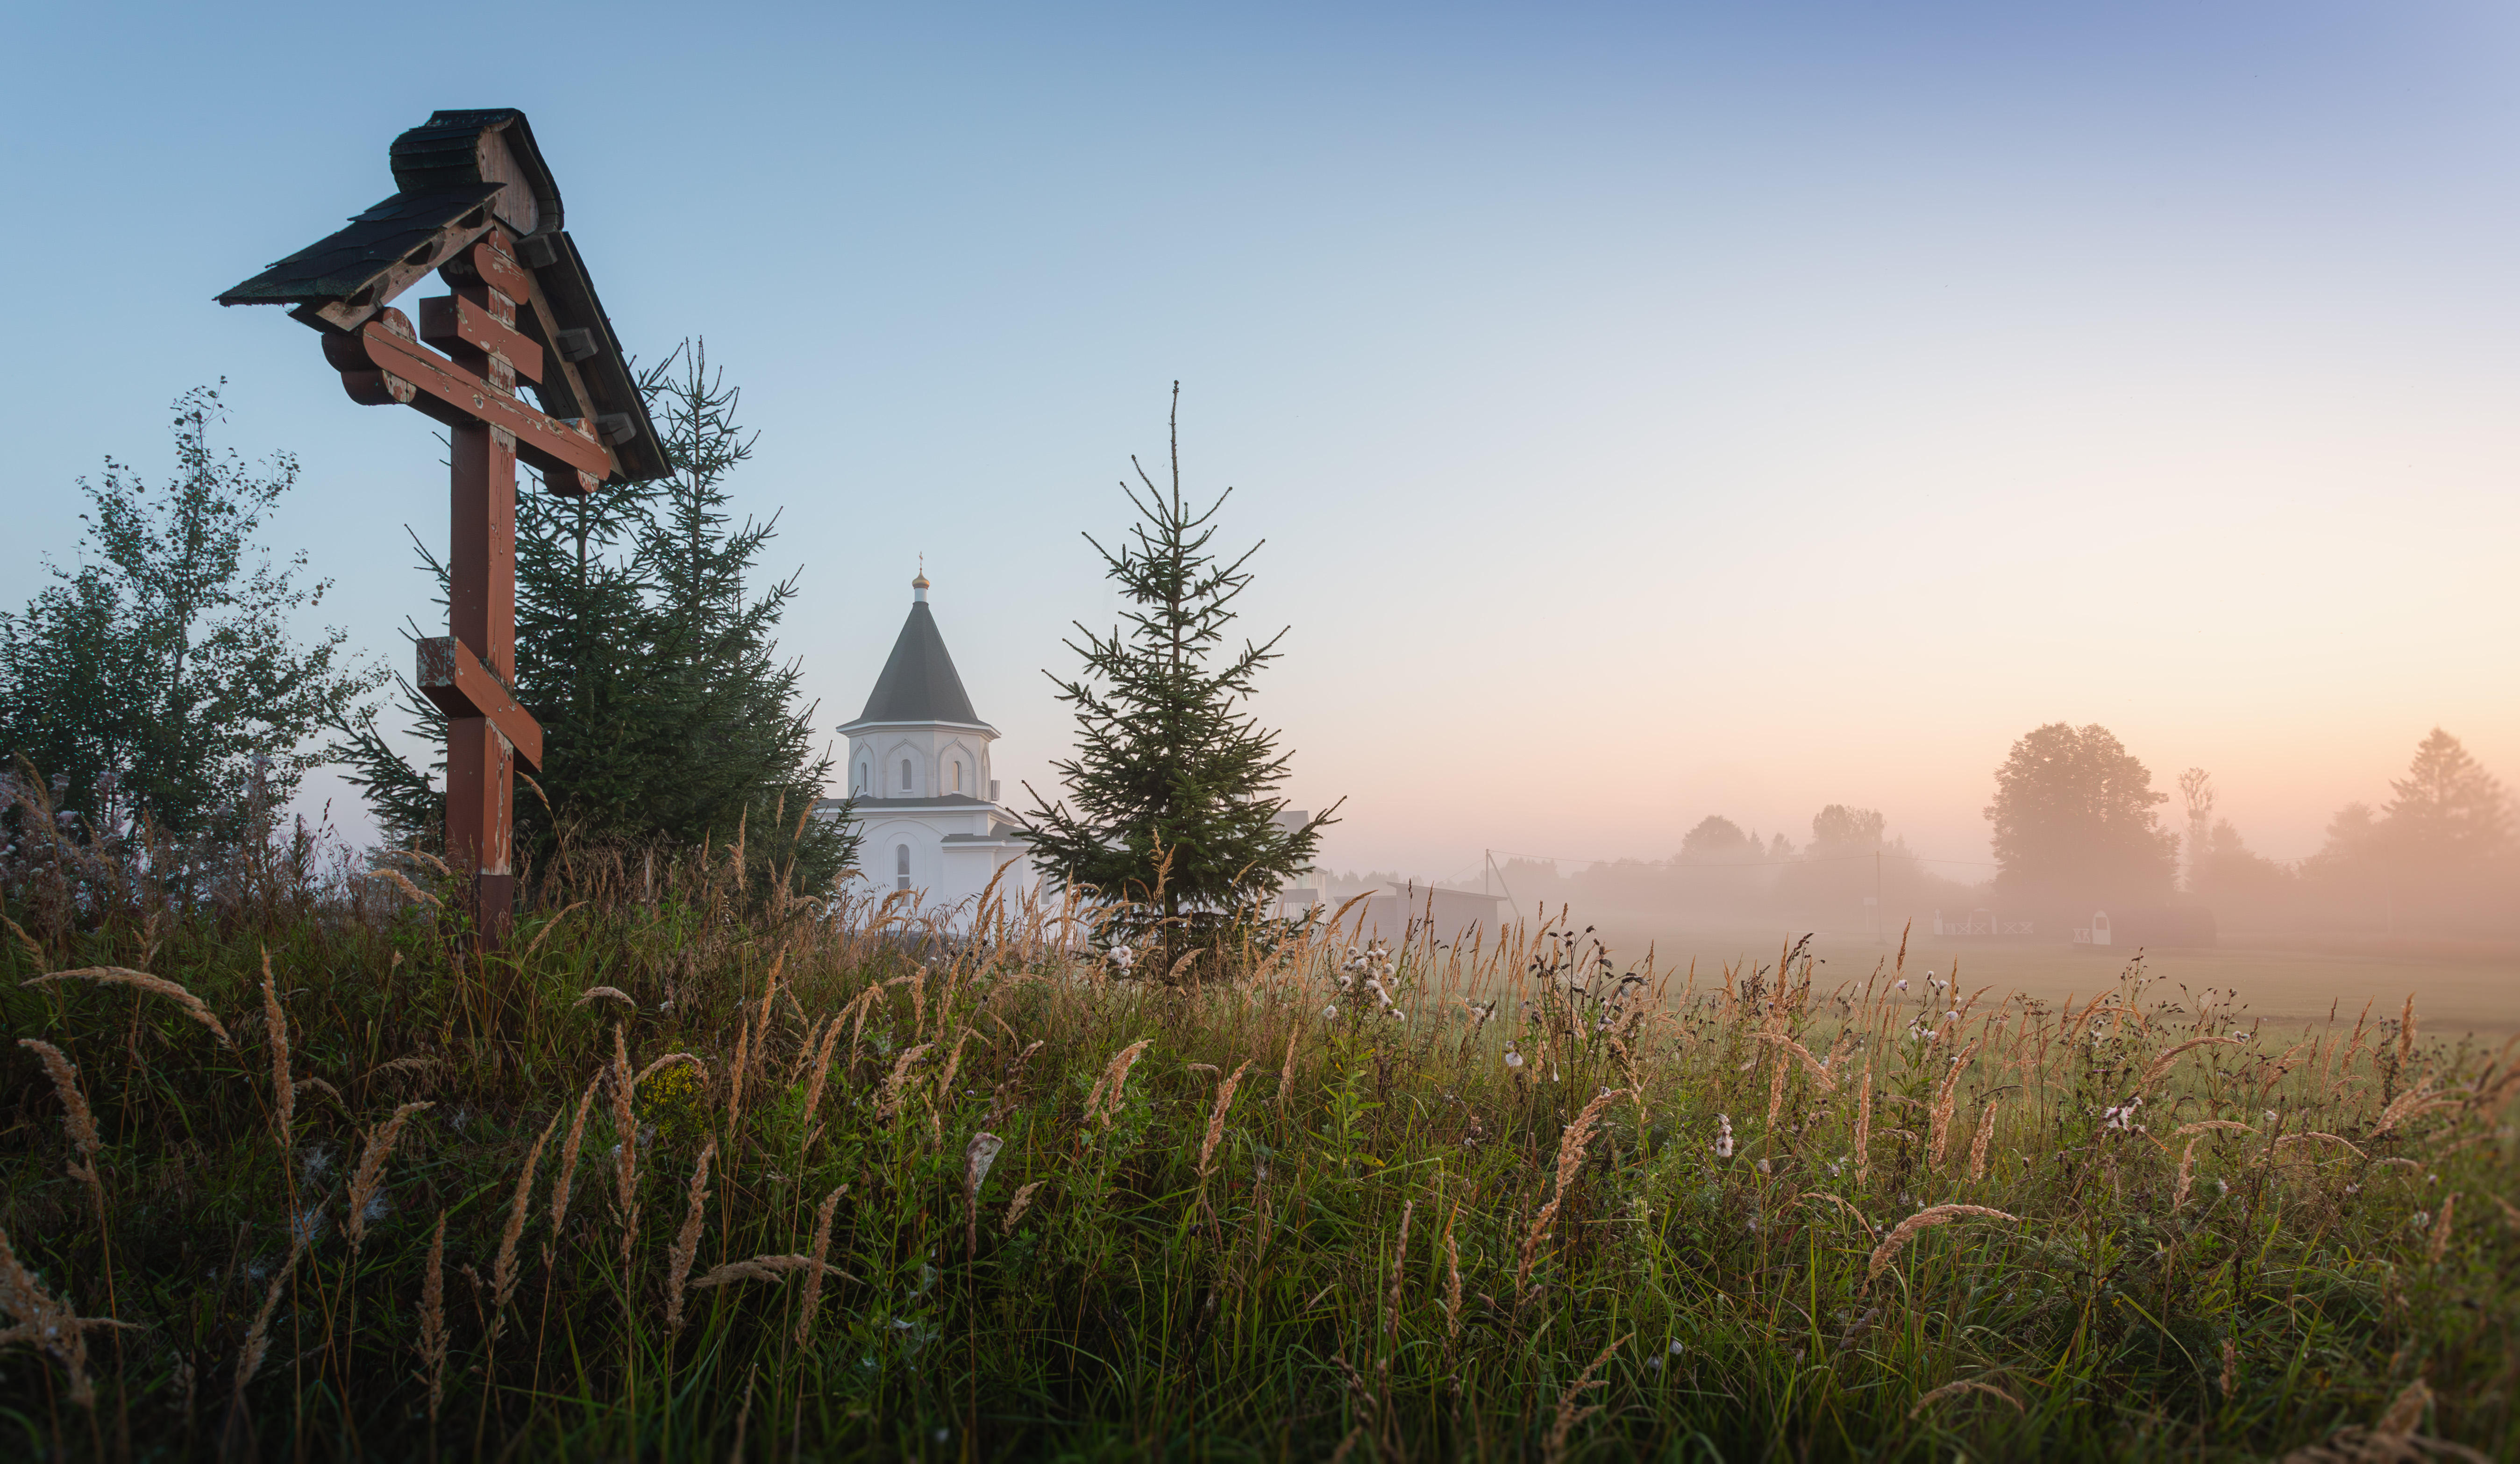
[476, 205]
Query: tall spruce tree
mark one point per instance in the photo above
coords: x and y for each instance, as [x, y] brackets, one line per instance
[1174, 782]
[667, 715]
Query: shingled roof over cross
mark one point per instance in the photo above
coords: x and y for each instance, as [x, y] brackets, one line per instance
[459, 175]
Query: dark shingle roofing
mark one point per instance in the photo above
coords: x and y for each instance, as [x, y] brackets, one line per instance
[437, 166]
[344, 263]
[918, 683]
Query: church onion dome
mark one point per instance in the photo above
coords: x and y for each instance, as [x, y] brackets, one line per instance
[918, 683]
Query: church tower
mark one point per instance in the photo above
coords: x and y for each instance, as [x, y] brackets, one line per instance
[926, 802]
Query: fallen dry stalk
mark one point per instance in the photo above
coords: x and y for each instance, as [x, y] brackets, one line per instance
[759, 1268]
[1964, 1385]
[2162, 1064]
[1925, 1219]
[155, 986]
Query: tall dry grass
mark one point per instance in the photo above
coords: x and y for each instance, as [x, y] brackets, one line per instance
[1732, 1208]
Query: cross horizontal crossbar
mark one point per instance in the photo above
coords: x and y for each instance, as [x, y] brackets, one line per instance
[461, 686]
[411, 372]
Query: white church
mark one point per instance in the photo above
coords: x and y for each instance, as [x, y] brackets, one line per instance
[926, 811]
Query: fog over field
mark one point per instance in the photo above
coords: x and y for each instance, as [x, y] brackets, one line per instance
[2095, 870]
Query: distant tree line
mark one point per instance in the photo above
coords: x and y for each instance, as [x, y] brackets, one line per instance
[2077, 827]
[2438, 857]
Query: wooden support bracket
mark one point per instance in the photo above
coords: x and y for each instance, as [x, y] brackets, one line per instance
[454, 678]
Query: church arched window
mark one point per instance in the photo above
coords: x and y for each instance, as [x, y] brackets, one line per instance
[865, 778]
[958, 775]
[901, 863]
[905, 785]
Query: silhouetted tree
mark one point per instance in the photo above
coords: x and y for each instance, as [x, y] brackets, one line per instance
[1717, 839]
[1838, 830]
[2074, 822]
[2197, 794]
[2448, 810]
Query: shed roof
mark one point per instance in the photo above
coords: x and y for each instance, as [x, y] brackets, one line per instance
[459, 173]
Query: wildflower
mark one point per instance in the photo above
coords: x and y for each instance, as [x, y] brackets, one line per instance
[2272, 1118]
[1951, 1016]
[1763, 1167]
[1512, 1059]
[1724, 1136]
[1675, 1348]
[1903, 984]
[2223, 1186]
[2421, 1219]
[1330, 1014]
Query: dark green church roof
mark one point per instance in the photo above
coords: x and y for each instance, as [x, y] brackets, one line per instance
[918, 683]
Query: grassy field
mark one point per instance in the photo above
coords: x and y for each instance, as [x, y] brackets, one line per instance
[692, 1172]
[2459, 986]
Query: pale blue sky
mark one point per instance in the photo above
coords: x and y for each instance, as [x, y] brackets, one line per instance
[1651, 411]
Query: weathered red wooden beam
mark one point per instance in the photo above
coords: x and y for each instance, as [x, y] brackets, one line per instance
[454, 324]
[454, 678]
[445, 390]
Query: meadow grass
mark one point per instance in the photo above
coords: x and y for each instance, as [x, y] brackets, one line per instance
[687, 1171]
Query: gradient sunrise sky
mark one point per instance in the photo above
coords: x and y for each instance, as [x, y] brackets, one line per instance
[1651, 410]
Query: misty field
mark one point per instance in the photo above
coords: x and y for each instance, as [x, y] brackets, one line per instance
[2460, 986]
[688, 1173]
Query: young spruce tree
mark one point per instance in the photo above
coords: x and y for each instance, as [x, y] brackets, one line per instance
[667, 716]
[1173, 786]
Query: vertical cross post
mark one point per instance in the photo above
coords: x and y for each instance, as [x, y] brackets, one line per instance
[481, 615]
[475, 203]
